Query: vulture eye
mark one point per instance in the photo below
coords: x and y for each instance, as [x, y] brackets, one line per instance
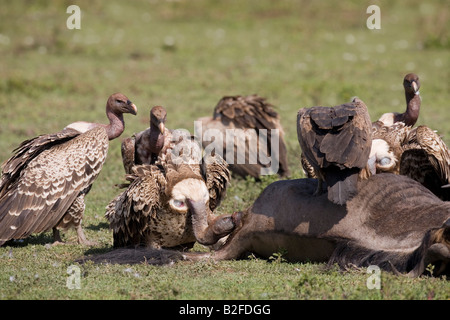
[119, 101]
[385, 161]
[178, 204]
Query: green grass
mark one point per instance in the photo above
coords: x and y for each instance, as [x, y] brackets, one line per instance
[186, 55]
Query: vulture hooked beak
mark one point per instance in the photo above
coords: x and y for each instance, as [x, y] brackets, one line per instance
[415, 87]
[161, 127]
[132, 108]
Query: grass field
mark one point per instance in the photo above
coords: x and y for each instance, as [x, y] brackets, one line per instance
[186, 55]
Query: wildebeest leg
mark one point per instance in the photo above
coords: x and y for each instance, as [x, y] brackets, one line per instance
[208, 231]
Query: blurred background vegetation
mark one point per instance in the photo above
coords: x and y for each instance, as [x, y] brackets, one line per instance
[186, 55]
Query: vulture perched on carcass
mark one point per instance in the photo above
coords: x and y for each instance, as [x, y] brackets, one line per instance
[336, 142]
[419, 153]
[409, 117]
[145, 147]
[44, 183]
[249, 122]
[170, 205]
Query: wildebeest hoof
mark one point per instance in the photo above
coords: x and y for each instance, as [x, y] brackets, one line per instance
[224, 225]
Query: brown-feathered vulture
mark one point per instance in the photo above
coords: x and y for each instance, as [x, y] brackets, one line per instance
[241, 129]
[336, 142]
[44, 183]
[171, 205]
[411, 85]
[419, 153]
[144, 147]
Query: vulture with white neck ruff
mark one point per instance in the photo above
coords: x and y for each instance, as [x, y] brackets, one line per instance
[419, 153]
[44, 183]
[171, 205]
[336, 142]
[409, 117]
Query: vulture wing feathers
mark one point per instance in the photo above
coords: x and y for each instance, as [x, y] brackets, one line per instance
[127, 149]
[130, 213]
[426, 159]
[215, 173]
[336, 141]
[159, 205]
[27, 151]
[53, 171]
[254, 117]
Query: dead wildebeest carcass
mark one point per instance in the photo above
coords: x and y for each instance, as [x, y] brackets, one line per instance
[393, 222]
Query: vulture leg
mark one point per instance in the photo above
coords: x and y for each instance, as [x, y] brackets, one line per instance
[73, 218]
[56, 237]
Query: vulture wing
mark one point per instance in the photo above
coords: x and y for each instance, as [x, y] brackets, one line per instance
[48, 179]
[128, 153]
[426, 159]
[252, 113]
[130, 212]
[215, 173]
[27, 151]
[336, 141]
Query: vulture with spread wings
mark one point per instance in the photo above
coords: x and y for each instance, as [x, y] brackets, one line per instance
[336, 142]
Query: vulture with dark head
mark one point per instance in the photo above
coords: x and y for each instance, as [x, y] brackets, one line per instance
[409, 117]
[252, 121]
[171, 205]
[336, 142]
[145, 147]
[44, 183]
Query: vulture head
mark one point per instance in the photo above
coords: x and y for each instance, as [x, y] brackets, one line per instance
[382, 157]
[411, 84]
[171, 205]
[158, 117]
[119, 103]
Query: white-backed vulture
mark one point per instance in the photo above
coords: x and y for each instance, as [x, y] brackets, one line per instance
[44, 183]
[253, 122]
[171, 205]
[144, 147]
[411, 85]
[336, 142]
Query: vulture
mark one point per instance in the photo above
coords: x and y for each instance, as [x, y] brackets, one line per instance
[44, 183]
[336, 142]
[170, 205]
[419, 153]
[242, 130]
[145, 147]
[409, 117]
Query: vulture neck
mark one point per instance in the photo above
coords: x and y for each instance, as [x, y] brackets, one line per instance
[156, 139]
[412, 108]
[116, 124]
